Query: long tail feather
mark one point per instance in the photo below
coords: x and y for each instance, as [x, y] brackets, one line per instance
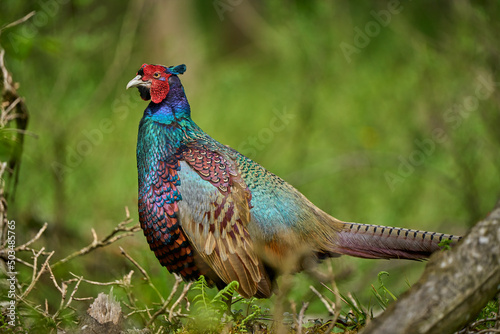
[383, 242]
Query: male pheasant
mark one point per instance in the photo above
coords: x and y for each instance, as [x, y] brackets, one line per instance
[208, 210]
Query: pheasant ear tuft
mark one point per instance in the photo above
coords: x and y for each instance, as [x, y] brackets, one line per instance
[179, 69]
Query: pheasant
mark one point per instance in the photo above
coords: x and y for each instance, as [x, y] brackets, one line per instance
[206, 209]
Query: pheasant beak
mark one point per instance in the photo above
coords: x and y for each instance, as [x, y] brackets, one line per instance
[137, 82]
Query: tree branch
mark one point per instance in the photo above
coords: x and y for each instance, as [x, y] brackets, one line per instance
[115, 235]
[454, 288]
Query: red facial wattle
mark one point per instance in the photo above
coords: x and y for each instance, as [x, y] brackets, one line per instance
[159, 81]
[159, 88]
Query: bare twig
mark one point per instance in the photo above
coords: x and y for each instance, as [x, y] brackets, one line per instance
[178, 280]
[116, 282]
[71, 296]
[136, 264]
[119, 232]
[183, 294]
[24, 262]
[301, 315]
[328, 304]
[19, 21]
[53, 278]
[82, 298]
[36, 276]
[34, 308]
[24, 247]
[132, 299]
[145, 274]
[134, 312]
[299, 318]
[35, 238]
[338, 298]
[482, 321]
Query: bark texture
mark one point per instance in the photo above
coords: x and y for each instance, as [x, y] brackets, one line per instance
[454, 288]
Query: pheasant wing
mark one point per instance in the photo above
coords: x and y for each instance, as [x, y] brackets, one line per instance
[214, 213]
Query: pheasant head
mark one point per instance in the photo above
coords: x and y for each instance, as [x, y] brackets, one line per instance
[154, 81]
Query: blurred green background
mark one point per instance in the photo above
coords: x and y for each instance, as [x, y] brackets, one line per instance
[379, 112]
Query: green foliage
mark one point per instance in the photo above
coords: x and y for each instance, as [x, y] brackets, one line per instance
[209, 311]
[356, 315]
[445, 244]
[487, 318]
[217, 304]
[253, 312]
[4, 326]
[381, 293]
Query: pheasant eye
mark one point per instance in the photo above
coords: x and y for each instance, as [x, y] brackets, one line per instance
[156, 75]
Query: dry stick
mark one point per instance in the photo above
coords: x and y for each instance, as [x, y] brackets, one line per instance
[183, 294]
[127, 283]
[133, 312]
[7, 79]
[133, 305]
[301, 317]
[53, 278]
[136, 264]
[35, 276]
[178, 280]
[11, 106]
[116, 282]
[24, 247]
[71, 296]
[338, 299]
[144, 273]
[34, 308]
[35, 238]
[109, 239]
[64, 292]
[148, 279]
[124, 282]
[80, 299]
[21, 20]
[323, 300]
[293, 306]
[480, 322]
[24, 262]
